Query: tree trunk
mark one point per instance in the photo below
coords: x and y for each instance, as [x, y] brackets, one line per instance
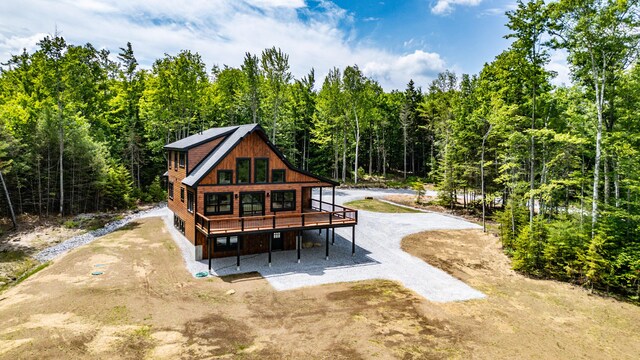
[355, 166]
[6, 192]
[344, 154]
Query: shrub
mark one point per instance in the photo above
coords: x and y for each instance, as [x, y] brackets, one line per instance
[528, 248]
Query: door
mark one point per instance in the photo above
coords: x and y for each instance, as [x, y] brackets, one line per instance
[252, 203]
[277, 242]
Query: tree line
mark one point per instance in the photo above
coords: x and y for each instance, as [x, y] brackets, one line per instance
[556, 166]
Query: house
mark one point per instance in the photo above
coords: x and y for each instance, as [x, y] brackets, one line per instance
[232, 192]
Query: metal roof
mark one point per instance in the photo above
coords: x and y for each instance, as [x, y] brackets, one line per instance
[199, 138]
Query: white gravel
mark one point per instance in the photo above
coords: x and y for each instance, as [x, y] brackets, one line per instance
[53, 252]
[378, 254]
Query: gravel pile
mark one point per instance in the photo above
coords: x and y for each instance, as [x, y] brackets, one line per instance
[52, 252]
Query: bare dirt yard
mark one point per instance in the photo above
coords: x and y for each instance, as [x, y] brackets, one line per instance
[146, 305]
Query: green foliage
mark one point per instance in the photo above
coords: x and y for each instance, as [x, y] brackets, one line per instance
[116, 187]
[511, 220]
[155, 192]
[528, 248]
[565, 249]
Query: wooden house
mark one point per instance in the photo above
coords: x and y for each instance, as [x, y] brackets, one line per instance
[232, 192]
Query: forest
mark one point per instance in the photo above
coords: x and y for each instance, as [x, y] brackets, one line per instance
[557, 167]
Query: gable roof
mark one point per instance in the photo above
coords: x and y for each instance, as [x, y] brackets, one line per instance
[199, 138]
[234, 135]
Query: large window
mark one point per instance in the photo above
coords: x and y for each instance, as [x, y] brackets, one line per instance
[261, 170]
[252, 204]
[218, 203]
[178, 223]
[182, 159]
[225, 243]
[190, 201]
[171, 190]
[224, 177]
[278, 176]
[282, 200]
[243, 170]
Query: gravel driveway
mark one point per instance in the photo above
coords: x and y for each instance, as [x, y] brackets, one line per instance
[378, 254]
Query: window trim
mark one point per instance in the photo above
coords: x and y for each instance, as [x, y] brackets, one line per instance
[255, 170]
[284, 176]
[191, 202]
[170, 190]
[228, 247]
[206, 213]
[295, 204]
[238, 170]
[182, 159]
[224, 171]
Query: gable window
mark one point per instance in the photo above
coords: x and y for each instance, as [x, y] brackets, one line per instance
[182, 159]
[243, 170]
[218, 203]
[175, 160]
[283, 200]
[277, 176]
[182, 194]
[224, 177]
[223, 243]
[171, 190]
[190, 201]
[261, 170]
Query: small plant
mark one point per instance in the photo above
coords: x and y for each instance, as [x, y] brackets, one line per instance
[70, 224]
[418, 186]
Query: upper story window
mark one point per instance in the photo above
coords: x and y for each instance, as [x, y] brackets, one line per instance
[182, 159]
[278, 175]
[190, 201]
[218, 203]
[261, 170]
[171, 190]
[224, 177]
[243, 170]
[182, 194]
[282, 200]
[175, 160]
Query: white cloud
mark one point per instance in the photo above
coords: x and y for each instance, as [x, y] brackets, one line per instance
[444, 7]
[221, 31]
[558, 63]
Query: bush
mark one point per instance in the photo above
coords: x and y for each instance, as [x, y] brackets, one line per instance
[116, 186]
[155, 192]
[565, 249]
[511, 220]
[528, 248]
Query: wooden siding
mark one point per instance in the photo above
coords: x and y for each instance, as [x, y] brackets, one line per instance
[253, 146]
[251, 244]
[199, 152]
[178, 207]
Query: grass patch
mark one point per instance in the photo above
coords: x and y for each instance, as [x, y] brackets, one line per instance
[379, 206]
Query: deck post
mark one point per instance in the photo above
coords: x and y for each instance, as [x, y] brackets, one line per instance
[209, 251]
[333, 236]
[353, 241]
[320, 198]
[326, 231]
[238, 254]
[270, 241]
[299, 242]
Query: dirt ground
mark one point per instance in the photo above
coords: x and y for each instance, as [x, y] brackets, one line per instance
[146, 305]
[523, 317]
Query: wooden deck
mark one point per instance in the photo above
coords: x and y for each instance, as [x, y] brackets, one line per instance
[319, 216]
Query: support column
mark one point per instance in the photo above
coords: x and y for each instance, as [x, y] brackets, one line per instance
[333, 236]
[353, 240]
[320, 197]
[270, 241]
[209, 251]
[326, 231]
[238, 254]
[299, 242]
[333, 198]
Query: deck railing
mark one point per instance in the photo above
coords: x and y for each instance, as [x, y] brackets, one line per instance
[320, 217]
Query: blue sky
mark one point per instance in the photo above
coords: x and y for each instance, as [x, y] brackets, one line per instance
[391, 41]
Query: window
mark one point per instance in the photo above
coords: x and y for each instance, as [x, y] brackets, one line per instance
[175, 160]
[223, 243]
[171, 190]
[252, 204]
[261, 170]
[277, 176]
[276, 235]
[182, 159]
[224, 176]
[218, 203]
[243, 171]
[178, 223]
[182, 194]
[283, 200]
[190, 201]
